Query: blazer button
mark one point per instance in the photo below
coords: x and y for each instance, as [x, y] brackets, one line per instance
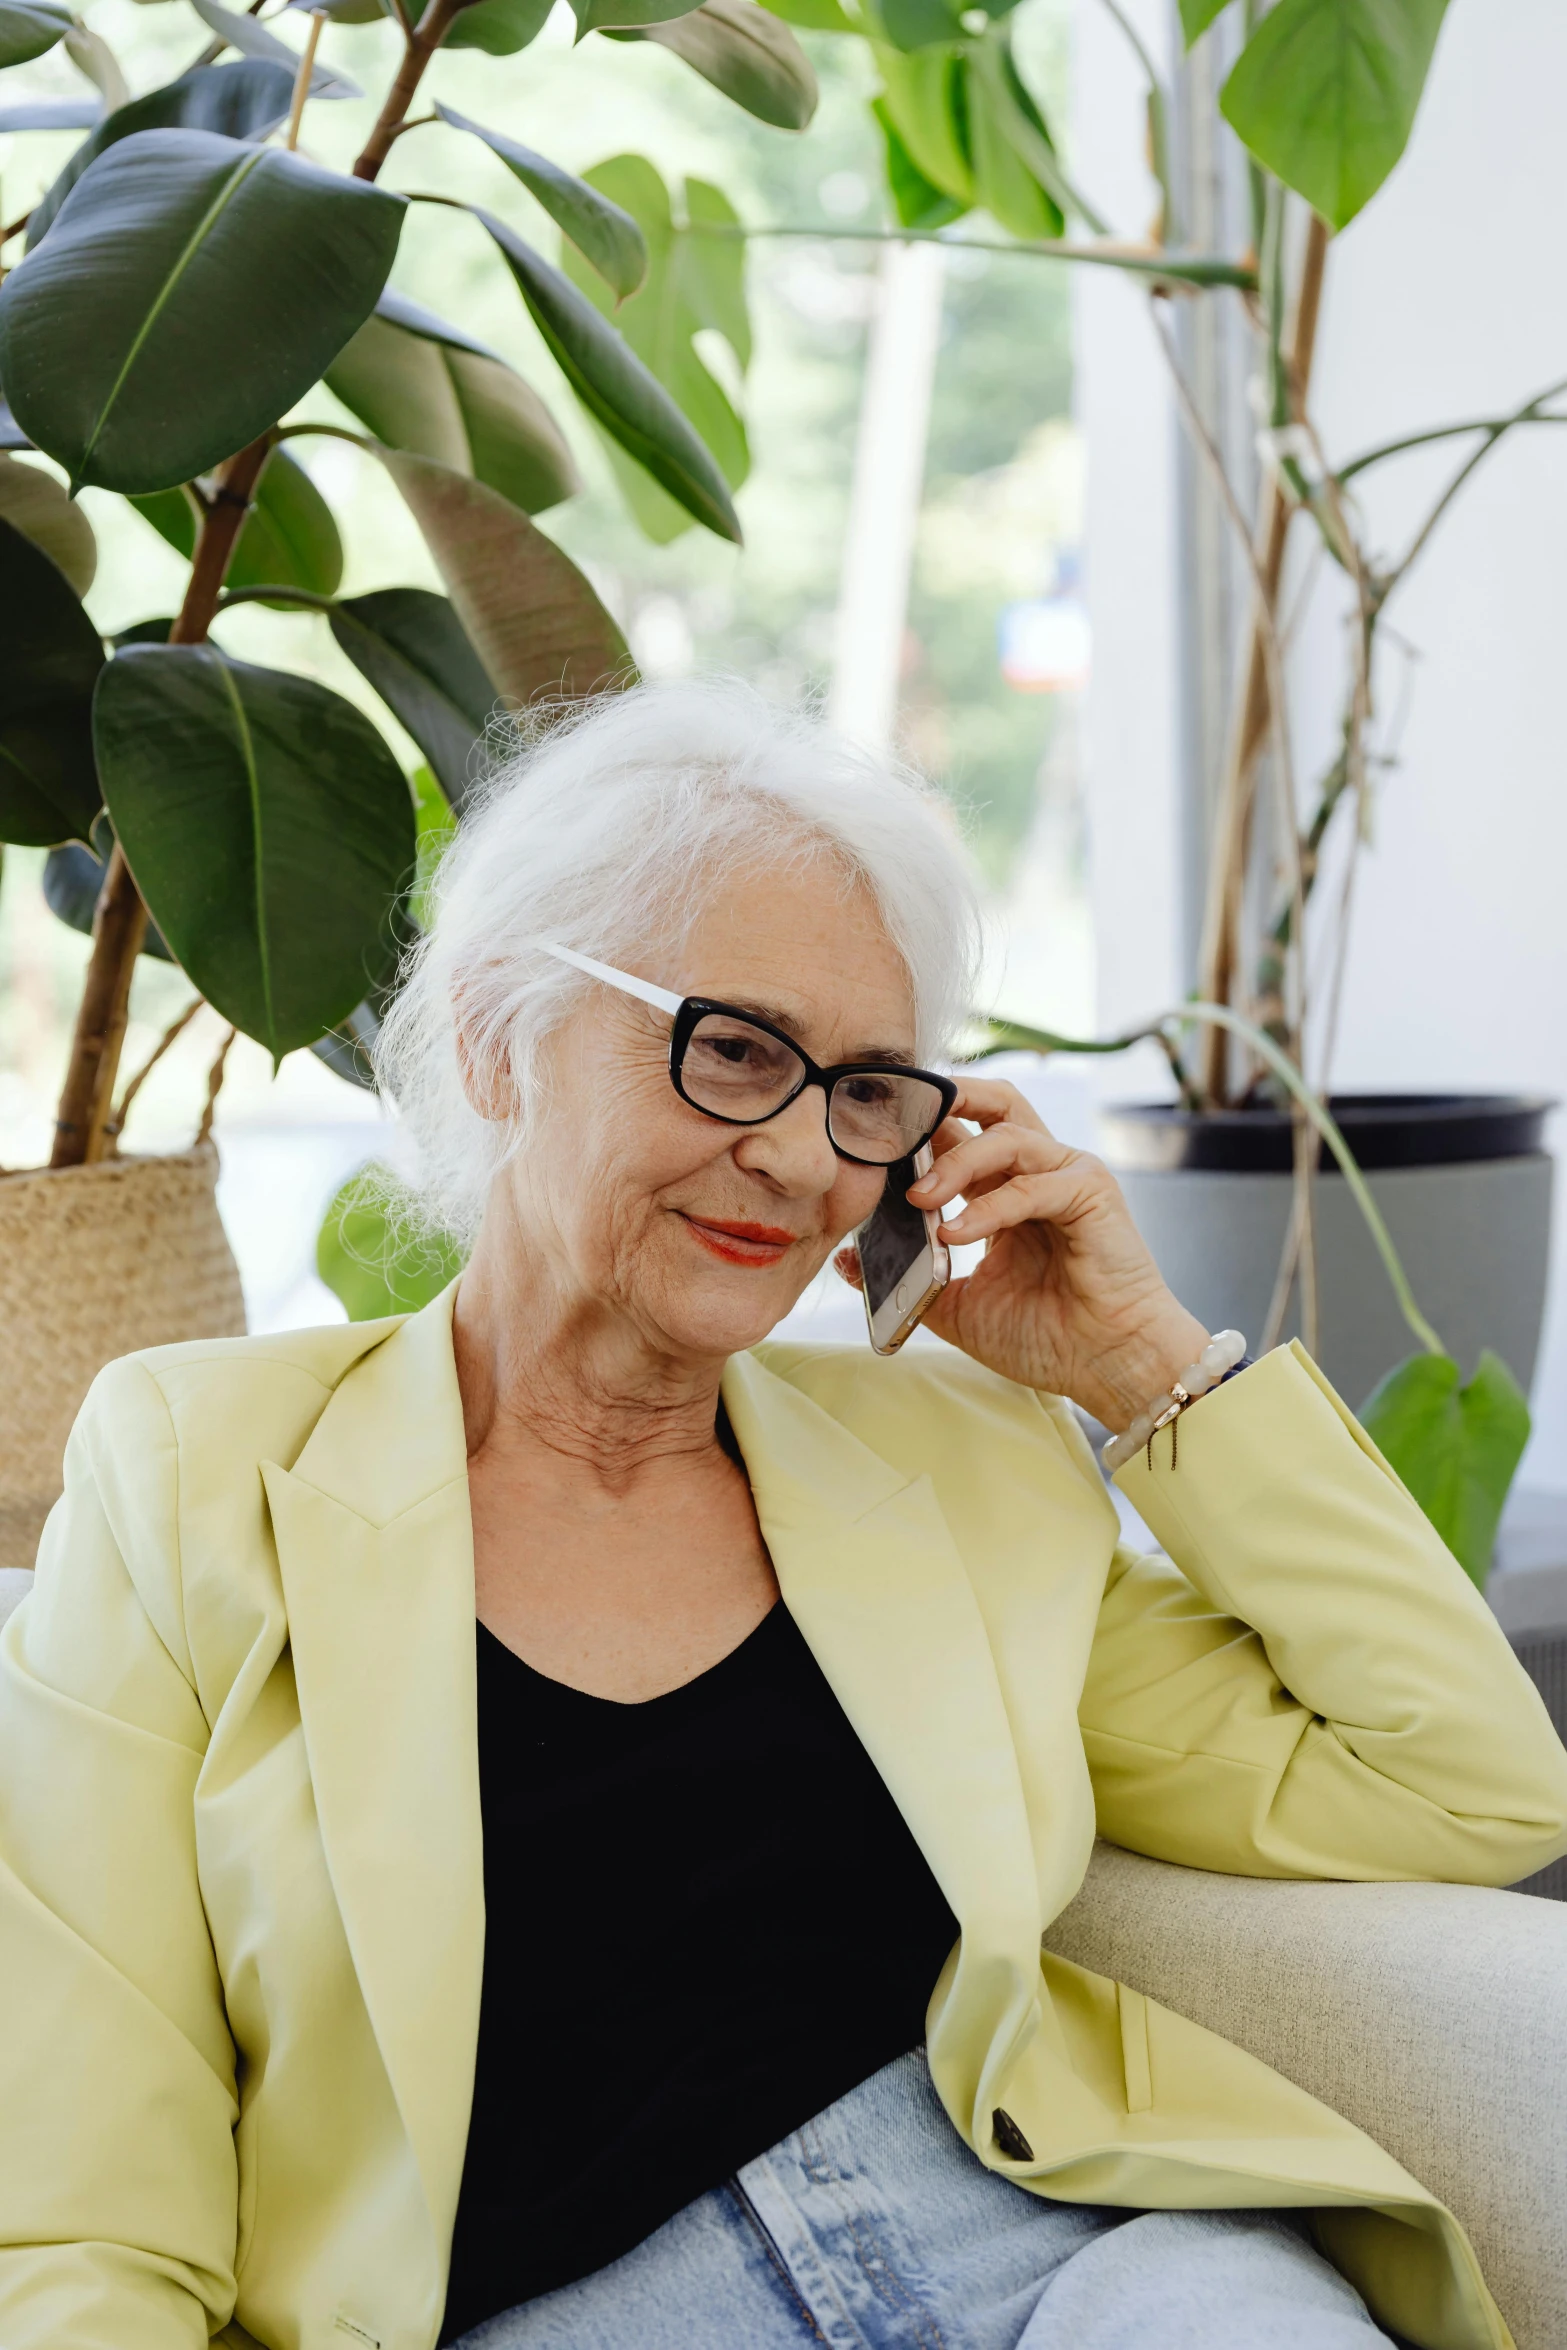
[1009, 2137]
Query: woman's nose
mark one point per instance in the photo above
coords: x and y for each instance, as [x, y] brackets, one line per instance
[794, 1148]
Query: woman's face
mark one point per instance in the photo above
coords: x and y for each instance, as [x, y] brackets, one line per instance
[705, 1234]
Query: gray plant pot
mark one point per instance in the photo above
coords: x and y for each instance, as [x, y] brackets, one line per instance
[1462, 1181]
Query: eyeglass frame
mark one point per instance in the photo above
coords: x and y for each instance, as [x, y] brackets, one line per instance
[687, 1010]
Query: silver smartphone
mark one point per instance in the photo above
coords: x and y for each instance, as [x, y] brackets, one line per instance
[903, 1266]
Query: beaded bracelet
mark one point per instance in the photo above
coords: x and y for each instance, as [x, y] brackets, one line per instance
[1222, 1355]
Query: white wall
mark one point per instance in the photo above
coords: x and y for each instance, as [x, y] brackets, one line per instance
[1446, 298]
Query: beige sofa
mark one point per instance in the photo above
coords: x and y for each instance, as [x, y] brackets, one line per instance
[1435, 2016]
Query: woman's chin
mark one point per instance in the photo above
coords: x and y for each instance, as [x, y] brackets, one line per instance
[725, 1309]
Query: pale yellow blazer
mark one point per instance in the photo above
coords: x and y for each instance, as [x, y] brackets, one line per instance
[241, 1896]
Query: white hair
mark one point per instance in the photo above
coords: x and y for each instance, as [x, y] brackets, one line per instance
[606, 832]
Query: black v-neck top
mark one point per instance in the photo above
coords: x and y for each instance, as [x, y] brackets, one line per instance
[706, 1920]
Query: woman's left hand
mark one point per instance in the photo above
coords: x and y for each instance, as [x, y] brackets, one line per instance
[1067, 1297]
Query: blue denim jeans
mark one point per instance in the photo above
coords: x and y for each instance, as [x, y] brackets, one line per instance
[875, 2228]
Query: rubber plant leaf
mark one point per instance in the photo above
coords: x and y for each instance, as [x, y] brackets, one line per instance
[410, 645]
[1198, 15]
[246, 100]
[51, 114]
[608, 237]
[191, 289]
[28, 28]
[90, 53]
[268, 826]
[1455, 1446]
[695, 283]
[369, 1260]
[242, 32]
[53, 654]
[72, 879]
[501, 27]
[34, 503]
[750, 55]
[343, 11]
[1325, 92]
[536, 625]
[596, 16]
[618, 390]
[435, 392]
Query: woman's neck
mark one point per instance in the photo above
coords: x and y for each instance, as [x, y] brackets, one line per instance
[541, 1367]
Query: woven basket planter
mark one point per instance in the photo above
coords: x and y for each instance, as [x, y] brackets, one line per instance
[96, 1262]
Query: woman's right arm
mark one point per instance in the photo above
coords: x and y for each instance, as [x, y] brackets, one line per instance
[118, 2186]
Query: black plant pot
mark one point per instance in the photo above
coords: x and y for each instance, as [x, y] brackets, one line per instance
[1463, 1181]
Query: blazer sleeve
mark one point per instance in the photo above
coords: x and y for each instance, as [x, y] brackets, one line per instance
[118, 2188]
[1308, 1685]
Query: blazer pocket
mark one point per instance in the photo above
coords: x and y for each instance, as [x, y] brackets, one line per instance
[1135, 2060]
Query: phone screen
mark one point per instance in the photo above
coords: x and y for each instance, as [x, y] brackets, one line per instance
[892, 1238]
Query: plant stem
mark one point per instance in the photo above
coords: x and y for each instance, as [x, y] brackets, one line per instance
[1180, 269]
[1237, 805]
[419, 46]
[120, 918]
[296, 112]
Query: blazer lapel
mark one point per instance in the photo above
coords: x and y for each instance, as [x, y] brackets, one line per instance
[869, 1570]
[375, 1549]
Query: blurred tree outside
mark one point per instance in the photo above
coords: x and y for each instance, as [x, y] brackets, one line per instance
[998, 528]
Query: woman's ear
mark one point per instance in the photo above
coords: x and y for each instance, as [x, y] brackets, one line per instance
[483, 1065]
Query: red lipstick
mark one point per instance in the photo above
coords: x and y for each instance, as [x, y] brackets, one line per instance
[742, 1244]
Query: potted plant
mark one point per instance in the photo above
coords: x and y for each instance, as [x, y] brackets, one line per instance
[188, 278]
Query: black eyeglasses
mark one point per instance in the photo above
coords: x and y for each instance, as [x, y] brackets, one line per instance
[737, 1067]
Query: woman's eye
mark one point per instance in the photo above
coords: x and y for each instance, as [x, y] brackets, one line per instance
[869, 1092]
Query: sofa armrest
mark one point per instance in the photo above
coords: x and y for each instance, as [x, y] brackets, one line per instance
[1433, 2016]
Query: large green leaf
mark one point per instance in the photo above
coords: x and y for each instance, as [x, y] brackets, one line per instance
[615, 386]
[500, 26]
[919, 24]
[1198, 15]
[926, 99]
[72, 879]
[51, 114]
[412, 648]
[33, 502]
[369, 1260]
[1003, 123]
[916, 200]
[693, 282]
[1325, 92]
[269, 828]
[191, 289]
[246, 100]
[289, 538]
[428, 389]
[1456, 1447]
[535, 623]
[29, 27]
[53, 654]
[604, 15]
[251, 39]
[816, 16]
[749, 54]
[609, 238]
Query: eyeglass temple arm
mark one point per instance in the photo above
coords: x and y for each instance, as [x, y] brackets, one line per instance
[649, 994]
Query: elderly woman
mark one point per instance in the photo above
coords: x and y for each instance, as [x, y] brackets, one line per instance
[533, 1823]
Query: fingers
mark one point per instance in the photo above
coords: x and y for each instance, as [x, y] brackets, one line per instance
[987, 1101]
[1059, 1197]
[976, 1163]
